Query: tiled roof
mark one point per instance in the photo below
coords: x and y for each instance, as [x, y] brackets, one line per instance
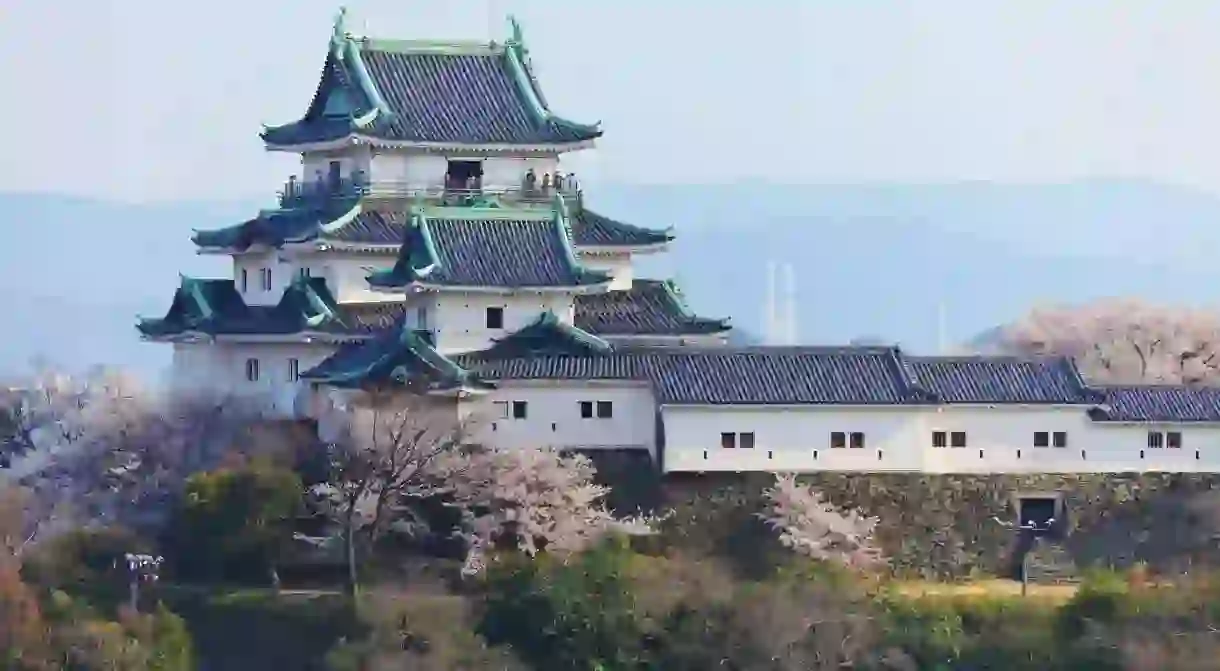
[995, 380]
[380, 226]
[547, 336]
[590, 229]
[725, 376]
[454, 94]
[649, 307]
[215, 307]
[274, 228]
[491, 252]
[393, 356]
[1158, 403]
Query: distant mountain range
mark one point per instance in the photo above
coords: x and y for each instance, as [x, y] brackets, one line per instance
[872, 261]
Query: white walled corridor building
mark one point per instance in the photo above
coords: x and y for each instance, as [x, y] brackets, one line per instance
[434, 235]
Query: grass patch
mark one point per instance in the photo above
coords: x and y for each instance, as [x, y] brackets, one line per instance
[984, 589]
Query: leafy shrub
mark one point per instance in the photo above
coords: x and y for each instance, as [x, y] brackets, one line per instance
[234, 524]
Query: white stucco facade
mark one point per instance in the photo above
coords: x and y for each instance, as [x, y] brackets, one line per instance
[914, 431]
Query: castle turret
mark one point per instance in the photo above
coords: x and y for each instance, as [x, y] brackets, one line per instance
[431, 199]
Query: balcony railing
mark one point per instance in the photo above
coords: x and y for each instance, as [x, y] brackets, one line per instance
[297, 193]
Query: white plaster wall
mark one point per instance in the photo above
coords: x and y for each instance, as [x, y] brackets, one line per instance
[253, 293]
[412, 170]
[618, 265]
[221, 368]
[998, 440]
[460, 320]
[790, 439]
[350, 160]
[553, 416]
[346, 275]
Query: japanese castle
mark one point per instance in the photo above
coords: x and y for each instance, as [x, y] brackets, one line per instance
[434, 242]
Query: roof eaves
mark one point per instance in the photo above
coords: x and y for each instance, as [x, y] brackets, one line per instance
[527, 85]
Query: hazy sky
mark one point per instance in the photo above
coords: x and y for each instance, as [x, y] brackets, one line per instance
[138, 99]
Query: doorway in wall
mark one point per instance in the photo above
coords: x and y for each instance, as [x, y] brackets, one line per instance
[1038, 509]
[464, 175]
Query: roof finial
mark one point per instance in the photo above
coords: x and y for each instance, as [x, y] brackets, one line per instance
[516, 38]
[339, 32]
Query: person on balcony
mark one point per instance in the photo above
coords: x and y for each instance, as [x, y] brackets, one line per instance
[546, 181]
[559, 181]
[530, 183]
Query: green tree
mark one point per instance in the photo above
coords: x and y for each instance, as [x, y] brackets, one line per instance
[234, 524]
[579, 614]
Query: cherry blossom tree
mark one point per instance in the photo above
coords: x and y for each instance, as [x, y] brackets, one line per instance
[394, 448]
[1123, 341]
[534, 499]
[813, 527]
[402, 447]
[100, 448]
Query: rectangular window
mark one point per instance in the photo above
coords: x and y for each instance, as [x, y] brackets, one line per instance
[501, 409]
[519, 409]
[245, 280]
[1060, 439]
[586, 409]
[266, 273]
[857, 440]
[294, 370]
[745, 440]
[252, 370]
[605, 410]
[1042, 439]
[421, 317]
[304, 273]
[1173, 440]
[495, 318]
[940, 439]
[957, 439]
[838, 439]
[728, 440]
[1156, 440]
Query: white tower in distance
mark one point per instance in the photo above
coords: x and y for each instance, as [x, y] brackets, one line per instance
[780, 325]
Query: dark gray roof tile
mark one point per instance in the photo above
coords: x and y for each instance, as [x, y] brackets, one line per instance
[590, 229]
[649, 307]
[510, 253]
[1159, 403]
[996, 380]
[460, 94]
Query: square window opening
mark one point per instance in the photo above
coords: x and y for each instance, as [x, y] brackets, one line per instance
[495, 318]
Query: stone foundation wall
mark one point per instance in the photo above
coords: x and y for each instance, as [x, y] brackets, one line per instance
[943, 527]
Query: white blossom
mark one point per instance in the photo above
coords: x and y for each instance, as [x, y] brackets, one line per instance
[813, 527]
[1123, 341]
[535, 500]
